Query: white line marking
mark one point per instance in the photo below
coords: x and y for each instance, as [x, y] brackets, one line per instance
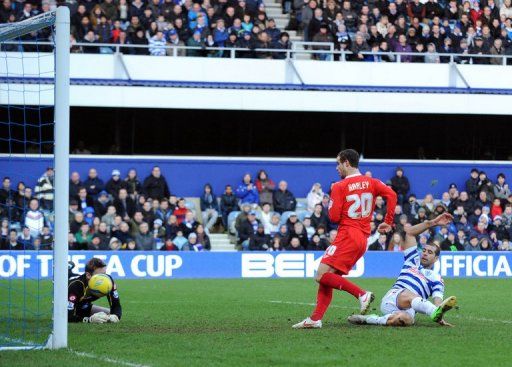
[310, 304]
[484, 319]
[466, 317]
[106, 359]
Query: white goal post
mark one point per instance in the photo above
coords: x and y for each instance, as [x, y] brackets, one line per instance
[59, 22]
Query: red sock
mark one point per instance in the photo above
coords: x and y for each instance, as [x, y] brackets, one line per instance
[338, 282]
[324, 296]
[323, 300]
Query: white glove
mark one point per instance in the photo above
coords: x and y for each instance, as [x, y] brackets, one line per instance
[113, 318]
[99, 318]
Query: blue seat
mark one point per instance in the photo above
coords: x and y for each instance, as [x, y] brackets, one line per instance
[302, 214]
[284, 217]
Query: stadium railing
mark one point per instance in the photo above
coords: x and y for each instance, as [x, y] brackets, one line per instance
[398, 57]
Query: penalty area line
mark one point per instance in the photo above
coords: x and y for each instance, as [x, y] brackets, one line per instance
[106, 359]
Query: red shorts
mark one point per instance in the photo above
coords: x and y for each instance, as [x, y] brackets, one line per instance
[343, 254]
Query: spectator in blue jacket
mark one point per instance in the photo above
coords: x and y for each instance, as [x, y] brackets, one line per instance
[247, 191]
[209, 207]
[220, 33]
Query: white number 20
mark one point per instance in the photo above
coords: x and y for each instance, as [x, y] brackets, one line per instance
[361, 206]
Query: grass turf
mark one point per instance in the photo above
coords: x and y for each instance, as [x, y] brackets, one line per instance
[236, 323]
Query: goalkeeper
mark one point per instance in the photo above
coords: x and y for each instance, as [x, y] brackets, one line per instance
[82, 292]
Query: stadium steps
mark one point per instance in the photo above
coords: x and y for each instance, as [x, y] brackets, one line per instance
[221, 242]
[275, 10]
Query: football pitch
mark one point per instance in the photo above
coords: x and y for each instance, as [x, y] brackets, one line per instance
[248, 323]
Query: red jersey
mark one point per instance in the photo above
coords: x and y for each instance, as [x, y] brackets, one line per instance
[353, 202]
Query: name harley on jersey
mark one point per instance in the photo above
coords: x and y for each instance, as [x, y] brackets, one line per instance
[358, 186]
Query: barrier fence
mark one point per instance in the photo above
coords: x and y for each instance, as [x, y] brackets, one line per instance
[235, 265]
[320, 50]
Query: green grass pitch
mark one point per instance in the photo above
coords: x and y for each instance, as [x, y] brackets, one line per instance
[248, 323]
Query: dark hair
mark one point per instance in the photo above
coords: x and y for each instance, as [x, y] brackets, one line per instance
[351, 156]
[94, 264]
[437, 251]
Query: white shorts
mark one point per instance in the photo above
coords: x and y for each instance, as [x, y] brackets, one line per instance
[389, 303]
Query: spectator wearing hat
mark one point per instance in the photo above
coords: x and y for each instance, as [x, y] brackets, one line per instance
[247, 228]
[479, 49]
[44, 189]
[498, 228]
[209, 207]
[93, 184]
[284, 200]
[411, 207]
[323, 36]
[114, 244]
[173, 39]
[422, 216]
[400, 184]
[155, 185]
[247, 191]
[472, 184]
[273, 31]
[115, 184]
[192, 244]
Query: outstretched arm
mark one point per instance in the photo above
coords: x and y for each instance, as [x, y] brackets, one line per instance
[413, 231]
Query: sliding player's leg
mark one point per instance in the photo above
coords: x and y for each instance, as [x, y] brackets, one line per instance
[397, 318]
[408, 299]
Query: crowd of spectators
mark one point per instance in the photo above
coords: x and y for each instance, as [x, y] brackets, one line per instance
[134, 214]
[427, 28]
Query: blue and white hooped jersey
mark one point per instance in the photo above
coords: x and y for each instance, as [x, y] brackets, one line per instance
[424, 282]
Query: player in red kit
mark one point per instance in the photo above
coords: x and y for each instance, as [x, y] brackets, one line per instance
[351, 206]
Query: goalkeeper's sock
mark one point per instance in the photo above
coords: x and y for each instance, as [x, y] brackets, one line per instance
[323, 300]
[423, 306]
[338, 282]
[377, 320]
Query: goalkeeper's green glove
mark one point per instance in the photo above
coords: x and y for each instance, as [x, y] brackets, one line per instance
[98, 318]
[113, 318]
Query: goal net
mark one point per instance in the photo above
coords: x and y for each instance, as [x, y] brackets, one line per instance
[34, 130]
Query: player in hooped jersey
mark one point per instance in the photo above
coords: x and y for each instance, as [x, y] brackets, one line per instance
[352, 205]
[416, 283]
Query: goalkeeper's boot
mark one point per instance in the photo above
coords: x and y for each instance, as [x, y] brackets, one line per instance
[444, 307]
[359, 319]
[366, 301]
[308, 324]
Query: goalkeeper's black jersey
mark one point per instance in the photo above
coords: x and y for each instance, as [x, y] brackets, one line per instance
[80, 303]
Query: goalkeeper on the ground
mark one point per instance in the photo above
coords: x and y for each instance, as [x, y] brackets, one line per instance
[84, 289]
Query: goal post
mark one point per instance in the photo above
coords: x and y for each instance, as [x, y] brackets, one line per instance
[34, 125]
[59, 336]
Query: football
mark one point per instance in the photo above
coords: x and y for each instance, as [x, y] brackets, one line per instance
[99, 285]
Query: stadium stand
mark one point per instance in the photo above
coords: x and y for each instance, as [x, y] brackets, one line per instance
[108, 214]
[367, 31]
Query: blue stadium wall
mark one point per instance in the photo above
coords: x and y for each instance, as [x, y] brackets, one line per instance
[179, 265]
[186, 176]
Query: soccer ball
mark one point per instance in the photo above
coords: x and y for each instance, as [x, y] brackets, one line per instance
[100, 285]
